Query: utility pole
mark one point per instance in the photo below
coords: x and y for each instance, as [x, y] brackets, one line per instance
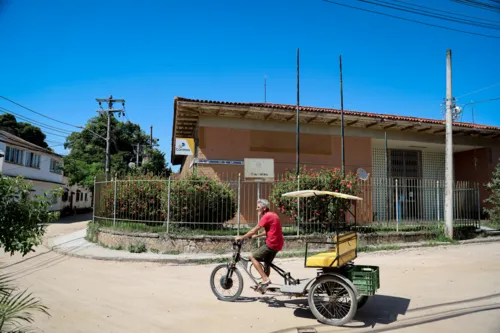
[297, 139]
[342, 119]
[110, 100]
[448, 197]
[137, 155]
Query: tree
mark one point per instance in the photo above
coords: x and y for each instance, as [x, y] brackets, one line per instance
[87, 157]
[494, 198]
[25, 131]
[22, 216]
[155, 163]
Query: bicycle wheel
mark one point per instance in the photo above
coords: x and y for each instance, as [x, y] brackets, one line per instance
[226, 287]
[332, 301]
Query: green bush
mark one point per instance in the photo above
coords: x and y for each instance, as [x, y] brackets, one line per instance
[22, 216]
[494, 198]
[200, 202]
[316, 213]
[137, 198]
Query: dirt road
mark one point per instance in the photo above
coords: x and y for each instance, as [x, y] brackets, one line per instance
[453, 289]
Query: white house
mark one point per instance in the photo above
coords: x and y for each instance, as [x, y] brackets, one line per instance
[44, 169]
[41, 166]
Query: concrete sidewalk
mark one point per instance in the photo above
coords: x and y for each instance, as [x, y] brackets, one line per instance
[75, 245]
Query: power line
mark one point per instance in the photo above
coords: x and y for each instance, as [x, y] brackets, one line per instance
[34, 122]
[410, 20]
[445, 11]
[475, 91]
[479, 4]
[24, 107]
[430, 14]
[25, 145]
[483, 101]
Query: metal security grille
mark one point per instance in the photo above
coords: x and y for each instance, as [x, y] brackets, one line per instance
[405, 163]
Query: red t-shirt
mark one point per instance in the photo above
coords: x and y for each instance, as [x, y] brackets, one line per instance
[274, 236]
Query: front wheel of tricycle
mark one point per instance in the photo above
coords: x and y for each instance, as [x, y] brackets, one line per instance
[332, 301]
[226, 283]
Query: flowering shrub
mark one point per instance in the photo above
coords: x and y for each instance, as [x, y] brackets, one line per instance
[316, 213]
[137, 198]
[200, 202]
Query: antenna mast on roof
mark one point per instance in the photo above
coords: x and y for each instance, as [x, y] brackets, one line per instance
[297, 143]
[342, 118]
[265, 90]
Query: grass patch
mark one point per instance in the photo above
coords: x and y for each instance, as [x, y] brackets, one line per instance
[137, 248]
[154, 250]
[382, 247]
[172, 252]
[441, 238]
[112, 247]
[492, 225]
[161, 227]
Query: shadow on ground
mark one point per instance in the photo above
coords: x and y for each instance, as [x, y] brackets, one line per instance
[384, 310]
[74, 219]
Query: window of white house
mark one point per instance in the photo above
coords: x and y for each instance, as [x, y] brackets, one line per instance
[85, 196]
[32, 160]
[55, 166]
[14, 155]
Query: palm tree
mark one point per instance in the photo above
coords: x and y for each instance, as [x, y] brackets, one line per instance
[16, 307]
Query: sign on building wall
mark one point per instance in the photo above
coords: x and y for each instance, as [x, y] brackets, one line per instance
[259, 169]
[222, 162]
[184, 146]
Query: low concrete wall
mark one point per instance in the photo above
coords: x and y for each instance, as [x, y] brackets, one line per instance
[221, 244]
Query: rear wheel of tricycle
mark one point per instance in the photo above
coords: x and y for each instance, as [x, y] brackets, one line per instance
[332, 301]
[226, 283]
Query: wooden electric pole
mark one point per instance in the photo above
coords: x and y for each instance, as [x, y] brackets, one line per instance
[110, 101]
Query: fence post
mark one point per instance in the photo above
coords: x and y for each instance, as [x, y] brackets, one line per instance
[114, 205]
[93, 204]
[168, 205]
[239, 203]
[437, 194]
[298, 207]
[397, 207]
[478, 206]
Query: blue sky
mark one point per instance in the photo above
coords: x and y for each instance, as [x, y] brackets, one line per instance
[57, 56]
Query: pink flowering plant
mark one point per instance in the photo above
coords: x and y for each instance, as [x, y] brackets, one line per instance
[200, 202]
[321, 211]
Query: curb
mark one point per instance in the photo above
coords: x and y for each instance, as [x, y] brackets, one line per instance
[218, 259]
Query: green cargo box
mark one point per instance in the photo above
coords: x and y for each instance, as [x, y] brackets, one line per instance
[365, 278]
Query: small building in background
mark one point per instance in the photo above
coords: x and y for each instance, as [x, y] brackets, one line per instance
[43, 168]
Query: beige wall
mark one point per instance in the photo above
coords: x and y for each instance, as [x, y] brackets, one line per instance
[315, 151]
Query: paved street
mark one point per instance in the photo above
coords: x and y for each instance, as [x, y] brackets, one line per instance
[452, 289]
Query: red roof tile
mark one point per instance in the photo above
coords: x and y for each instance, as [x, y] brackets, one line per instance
[346, 112]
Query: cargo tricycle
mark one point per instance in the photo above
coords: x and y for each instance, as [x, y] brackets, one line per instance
[336, 292]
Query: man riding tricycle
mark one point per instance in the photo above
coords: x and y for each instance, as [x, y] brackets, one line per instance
[334, 294]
